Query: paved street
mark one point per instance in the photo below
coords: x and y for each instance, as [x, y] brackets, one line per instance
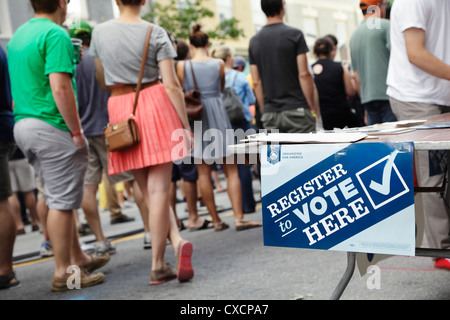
[228, 265]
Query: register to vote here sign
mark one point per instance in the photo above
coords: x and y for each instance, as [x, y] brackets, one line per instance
[343, 197]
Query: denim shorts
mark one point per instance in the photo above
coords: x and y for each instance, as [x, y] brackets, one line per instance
[5, 182]
[185, 171]
[60, 165]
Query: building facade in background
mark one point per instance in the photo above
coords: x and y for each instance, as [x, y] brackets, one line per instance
[315, 18]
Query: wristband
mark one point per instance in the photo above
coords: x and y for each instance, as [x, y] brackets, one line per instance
[77, 134]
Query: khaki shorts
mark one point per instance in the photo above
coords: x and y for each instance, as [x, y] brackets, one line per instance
[22, 176]
[98, 161]
[298, 120]
[435, 210]
[60, 165]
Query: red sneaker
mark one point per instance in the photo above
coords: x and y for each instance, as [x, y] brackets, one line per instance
[442, 263]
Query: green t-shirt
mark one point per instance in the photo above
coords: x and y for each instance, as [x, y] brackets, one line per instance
[37, 49]
[370, 50]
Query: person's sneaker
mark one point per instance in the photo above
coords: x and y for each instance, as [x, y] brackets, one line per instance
[102, 247]
[147, 241]
[442, 263]
[97, 261]
[163, 275]
[127, 205]
[86, 280]
[122, 219]
[46, 250]
[88, 248]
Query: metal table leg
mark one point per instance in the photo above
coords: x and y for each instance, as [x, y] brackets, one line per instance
[351, 262]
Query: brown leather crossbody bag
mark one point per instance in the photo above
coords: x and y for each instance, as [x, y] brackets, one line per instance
[125, 134]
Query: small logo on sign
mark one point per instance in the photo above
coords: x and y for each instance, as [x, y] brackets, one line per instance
[273, 154]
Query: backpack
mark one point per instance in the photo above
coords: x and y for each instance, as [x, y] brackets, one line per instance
[233, 105]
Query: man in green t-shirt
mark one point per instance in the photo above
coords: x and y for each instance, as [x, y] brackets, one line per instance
[48, 130]
[370, 51]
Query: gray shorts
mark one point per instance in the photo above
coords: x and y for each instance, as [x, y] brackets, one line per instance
[98, 161]
[60, 165]
[22, 176]
[5, 182]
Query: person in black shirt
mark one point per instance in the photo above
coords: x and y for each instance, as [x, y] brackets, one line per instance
[284, 87]
[334, 85]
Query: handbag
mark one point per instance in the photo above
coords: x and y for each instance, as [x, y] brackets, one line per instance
[194, 107]
[233, 105]
[125, 134]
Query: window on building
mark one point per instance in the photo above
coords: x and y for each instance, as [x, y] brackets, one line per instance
[310, 26]
[342, 36]
[310, 30]
[259, 18]
[225, 9]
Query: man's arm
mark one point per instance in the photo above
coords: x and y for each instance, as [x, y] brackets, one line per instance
[257, 86]
[61, 85]
[307, 83]
[419, 56]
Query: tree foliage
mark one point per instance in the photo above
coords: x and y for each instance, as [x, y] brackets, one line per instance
[179, 19]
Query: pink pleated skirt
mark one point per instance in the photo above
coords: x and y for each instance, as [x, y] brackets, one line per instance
[156, 119]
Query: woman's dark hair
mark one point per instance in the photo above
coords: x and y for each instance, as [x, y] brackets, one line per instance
[323, 47]
[182, 49]
[44, 6]
[271, 7]
[333, 39]
[198, 38]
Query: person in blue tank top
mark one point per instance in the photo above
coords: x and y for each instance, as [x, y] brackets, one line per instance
[212, 134]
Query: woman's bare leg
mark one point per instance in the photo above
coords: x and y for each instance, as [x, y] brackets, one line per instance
[235, 194]
[154, 183]
[207, 192]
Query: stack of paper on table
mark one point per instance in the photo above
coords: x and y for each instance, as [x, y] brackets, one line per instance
[306, 137]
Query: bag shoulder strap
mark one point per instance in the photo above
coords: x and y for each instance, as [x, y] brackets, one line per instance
[193, 75]
[141, 74]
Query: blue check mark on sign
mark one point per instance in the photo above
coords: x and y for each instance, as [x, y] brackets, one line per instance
[385, 186]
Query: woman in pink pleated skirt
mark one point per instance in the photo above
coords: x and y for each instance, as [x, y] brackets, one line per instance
[156, 119]
[118, 47]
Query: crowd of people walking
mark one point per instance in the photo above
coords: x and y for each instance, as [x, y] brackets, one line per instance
[54, 106]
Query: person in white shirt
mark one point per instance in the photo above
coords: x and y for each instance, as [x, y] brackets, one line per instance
[419, 86]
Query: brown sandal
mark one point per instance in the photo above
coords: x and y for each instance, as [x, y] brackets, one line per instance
[221, 226]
